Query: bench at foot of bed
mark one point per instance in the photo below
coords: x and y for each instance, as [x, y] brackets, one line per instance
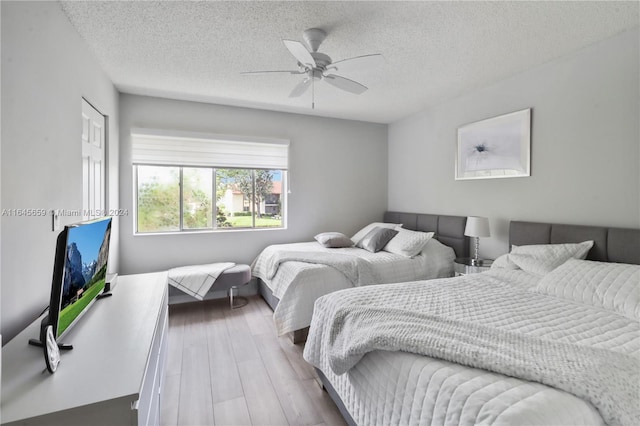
[230, 281]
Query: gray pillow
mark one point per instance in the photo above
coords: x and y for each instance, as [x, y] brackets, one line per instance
[333, 240]
[376, 239]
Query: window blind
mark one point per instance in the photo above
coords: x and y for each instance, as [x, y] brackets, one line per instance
[153, 147]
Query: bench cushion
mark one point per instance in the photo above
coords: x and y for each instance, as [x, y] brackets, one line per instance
[236, 276]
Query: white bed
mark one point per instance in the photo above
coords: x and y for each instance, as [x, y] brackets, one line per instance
[505, 347]
[292, 284]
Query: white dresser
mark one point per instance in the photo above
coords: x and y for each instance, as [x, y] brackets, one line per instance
[113, 375]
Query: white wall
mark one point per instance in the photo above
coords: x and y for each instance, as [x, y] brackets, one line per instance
[46, 70]
[338, 179]
[0, 226]
[585, 166]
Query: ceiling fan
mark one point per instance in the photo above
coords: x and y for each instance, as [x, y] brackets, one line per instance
[319, 66]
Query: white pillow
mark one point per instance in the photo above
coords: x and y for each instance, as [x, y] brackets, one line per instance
[434, 246]
[439, 258]
[408, 243]
[612, 286]
[504, 262]
[541, 259]
[333, 240]
[364, 231]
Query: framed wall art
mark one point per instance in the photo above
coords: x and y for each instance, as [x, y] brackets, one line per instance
[498, 147]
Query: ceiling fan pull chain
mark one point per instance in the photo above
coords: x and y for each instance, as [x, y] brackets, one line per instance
[313, 93]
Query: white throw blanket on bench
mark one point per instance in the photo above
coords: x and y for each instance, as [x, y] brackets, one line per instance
[196, 280]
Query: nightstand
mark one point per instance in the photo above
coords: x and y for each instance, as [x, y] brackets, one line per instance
[463, 266]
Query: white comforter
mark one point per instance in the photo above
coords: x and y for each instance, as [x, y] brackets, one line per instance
[387, 387]
[298, 282]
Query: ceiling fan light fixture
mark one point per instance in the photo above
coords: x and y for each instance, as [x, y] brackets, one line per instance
[314, 38]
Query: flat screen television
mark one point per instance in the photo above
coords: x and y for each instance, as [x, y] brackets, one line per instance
[79, 272]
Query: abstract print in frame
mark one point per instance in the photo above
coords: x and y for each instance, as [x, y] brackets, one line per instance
[497, 147]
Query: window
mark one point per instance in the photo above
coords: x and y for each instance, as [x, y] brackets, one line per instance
[192, 183]
[158, 206]
[197, 194]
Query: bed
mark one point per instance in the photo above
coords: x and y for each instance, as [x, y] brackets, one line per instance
[295, 285]
[543, 338]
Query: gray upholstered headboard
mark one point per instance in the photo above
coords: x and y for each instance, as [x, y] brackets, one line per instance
[621, 245]
[448, 230]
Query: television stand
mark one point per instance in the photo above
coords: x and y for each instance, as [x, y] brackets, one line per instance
[114, 374]
[38, 342]
[61, 346]
[45, 322]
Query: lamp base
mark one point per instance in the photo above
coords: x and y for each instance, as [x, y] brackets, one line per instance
[475, 260]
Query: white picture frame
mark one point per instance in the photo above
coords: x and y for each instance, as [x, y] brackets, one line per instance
[498, 147]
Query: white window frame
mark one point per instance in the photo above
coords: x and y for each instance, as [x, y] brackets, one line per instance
[152, 147]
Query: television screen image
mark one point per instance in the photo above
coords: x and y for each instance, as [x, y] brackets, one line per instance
[86, 254]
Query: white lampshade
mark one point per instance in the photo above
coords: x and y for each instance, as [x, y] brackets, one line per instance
[477, 227]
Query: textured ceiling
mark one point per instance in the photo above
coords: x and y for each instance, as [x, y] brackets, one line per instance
[433, 51]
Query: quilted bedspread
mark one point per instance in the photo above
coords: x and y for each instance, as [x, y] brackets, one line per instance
[356, 270]
[293, 277]
[478, 349]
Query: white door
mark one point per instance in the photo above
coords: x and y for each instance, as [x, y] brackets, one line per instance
[93, 164]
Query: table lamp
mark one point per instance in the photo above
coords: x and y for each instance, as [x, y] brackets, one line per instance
[477, 227]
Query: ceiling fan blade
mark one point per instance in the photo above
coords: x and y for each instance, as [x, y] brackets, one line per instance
[357, 63]
[345, 84]
[270, 72]
[300, 88]
[300, 52]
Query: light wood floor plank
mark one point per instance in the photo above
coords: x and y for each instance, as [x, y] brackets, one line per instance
[177, 318]
[266, 342]
[194, 326]
[195, 406]
[262, 401]
[295, 402]
[225, 379]
[255, 318]
[233, 412]
[303, 369]
[244, 348]
[214, 308]
[262, 306]
[323, 403]
[170, 400]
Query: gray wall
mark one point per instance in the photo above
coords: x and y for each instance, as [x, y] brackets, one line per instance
[46, 70]
[338, 179]
[585, 166]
